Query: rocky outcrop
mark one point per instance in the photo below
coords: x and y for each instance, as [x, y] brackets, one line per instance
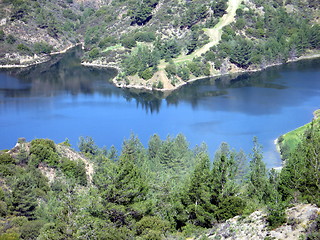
[299, 220]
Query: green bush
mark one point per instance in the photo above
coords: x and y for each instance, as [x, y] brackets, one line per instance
[42, 47]
[171, 69]
[146, 74]
[195, 68]
[128, 42]
[6, 158]
[7, 170]
[67, 13]
[276, 215]
[23, 48]
[160, 85]
[2, 35]
[31, 229]
[74, 169]
[144, 36]
[3, 209]
[107, 41]
[94, 53]
[10, 236]
[152, 226]
[11, 39]
[43, 150]
[230, 207]
[183, 73]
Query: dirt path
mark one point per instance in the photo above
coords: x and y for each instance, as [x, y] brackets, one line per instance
[216, 32]
[213, 33]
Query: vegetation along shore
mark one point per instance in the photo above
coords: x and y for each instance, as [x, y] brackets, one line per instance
[162, 44]
[166, 190]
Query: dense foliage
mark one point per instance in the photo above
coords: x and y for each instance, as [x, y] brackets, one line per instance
[164, 190]
[263, 33]
[262, 39]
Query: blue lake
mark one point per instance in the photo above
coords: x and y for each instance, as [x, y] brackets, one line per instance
[61, 99]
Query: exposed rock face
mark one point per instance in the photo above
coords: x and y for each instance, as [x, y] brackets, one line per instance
[96, 3]
[62, 150]
[299, 219]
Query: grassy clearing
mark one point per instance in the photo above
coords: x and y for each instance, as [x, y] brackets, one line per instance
[118, 46]
[289, 141]
[292, 139]
[213, 33]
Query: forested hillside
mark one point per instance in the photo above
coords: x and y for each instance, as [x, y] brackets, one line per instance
[160, 43]
[163, 191]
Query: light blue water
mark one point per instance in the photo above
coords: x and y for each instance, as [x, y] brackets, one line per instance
[61, 99]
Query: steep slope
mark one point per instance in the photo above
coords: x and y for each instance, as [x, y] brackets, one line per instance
[161, 44]
[301, 219]
[216, 32]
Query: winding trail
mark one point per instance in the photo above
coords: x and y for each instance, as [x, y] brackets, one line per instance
[214, 36]
[216, 32]
[213, 33]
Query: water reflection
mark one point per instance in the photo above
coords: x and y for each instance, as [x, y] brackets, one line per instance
[65, 75]
[258, 93]
[61, 99]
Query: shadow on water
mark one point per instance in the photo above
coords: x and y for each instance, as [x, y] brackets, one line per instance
[64, 74]
[221, 86]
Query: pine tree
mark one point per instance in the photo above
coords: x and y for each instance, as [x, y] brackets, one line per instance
[224, 187]
[24, 200]
[197, 195]
[301, 173]
[133, 150]
[257, 180]
[154, 146]
[223, 173]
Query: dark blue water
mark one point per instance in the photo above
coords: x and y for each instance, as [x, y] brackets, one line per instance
[61, 99]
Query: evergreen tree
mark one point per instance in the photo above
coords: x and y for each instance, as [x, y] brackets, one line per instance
[133, 150]
[197, 196]
[24, 200]
[223, 174]
[257, 180]
[224, 187]
[300, 177]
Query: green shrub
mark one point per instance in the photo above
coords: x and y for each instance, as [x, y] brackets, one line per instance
[152, 227]
[3, 209]
[31, 229]
[183, 73]
[6, 158]
[43, 150]
[74, 169]
[194, 68]
[128, 42]
[7, 170]
[146, 74]
[67, 13]
[230, 207]
[94, 53]
[107, 41]
[144, 36]
[160, 85]
[171, 69]
[2, 35]
[42, 47]
[11, 39]
[23, 48]
[276, 215]
[10, 236]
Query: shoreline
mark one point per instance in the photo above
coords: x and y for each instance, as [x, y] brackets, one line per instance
[239, 71]
[46, 58]
[40, 59]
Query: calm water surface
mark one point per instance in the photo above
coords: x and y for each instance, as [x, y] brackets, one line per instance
[61, 99]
